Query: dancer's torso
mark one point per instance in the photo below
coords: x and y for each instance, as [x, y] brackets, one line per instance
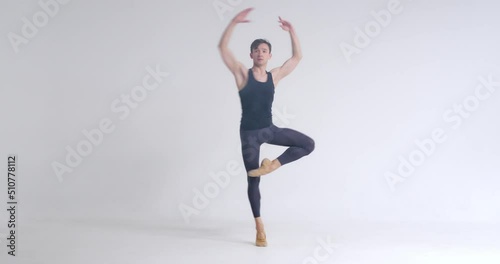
[256, 102]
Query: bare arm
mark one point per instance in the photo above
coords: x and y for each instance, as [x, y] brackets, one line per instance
[289, 65]
[236, 67]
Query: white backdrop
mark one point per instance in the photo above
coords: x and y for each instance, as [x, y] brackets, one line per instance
[405, 79]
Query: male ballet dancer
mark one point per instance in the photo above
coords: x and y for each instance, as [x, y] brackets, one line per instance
[256, 90]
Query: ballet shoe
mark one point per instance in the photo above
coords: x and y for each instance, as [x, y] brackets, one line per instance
[261, 241]
[264, 168]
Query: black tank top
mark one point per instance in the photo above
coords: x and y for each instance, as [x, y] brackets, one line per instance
[256, 102]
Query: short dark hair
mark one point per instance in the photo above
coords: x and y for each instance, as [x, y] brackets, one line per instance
[257, 42]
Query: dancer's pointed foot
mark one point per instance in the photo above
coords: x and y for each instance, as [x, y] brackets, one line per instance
[267, 166]
[261, 240]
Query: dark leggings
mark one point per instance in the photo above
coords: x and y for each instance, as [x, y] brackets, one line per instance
[299, 145]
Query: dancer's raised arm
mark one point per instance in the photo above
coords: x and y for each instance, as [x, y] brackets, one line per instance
[236, 67]
[289, 65]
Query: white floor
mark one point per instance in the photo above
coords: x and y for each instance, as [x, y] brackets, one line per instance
[109, 242]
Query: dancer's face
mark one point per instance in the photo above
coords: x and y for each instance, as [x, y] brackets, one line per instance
[261, 54]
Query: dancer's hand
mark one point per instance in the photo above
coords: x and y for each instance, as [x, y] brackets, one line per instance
[285, 25]
[241, 16]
